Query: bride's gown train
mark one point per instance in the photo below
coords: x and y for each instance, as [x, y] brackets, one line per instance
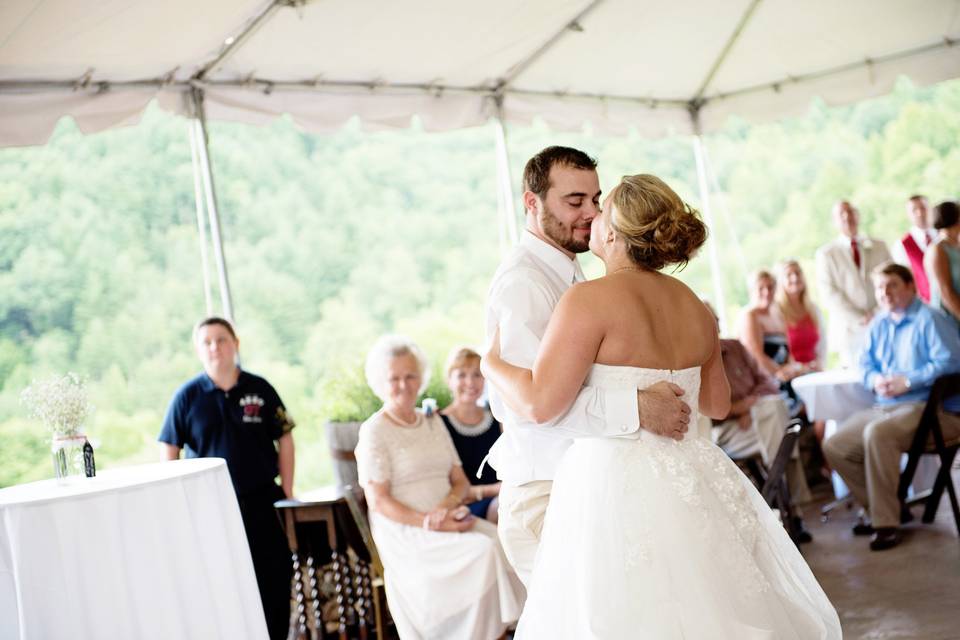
[661, 540]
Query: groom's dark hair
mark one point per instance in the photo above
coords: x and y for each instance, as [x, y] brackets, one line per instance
[536, 175]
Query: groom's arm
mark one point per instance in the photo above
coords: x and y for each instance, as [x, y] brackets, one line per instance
[521, 305]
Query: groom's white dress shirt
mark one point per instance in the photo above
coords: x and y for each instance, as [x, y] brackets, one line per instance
[525, 290]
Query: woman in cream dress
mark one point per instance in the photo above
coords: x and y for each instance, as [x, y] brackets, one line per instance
[446, 576]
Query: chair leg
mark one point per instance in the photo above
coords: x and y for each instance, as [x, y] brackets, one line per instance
[932, 498]
[756, 472]
[378, 613]
[951, 490]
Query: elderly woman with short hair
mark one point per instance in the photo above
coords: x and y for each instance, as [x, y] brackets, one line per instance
[446, 576]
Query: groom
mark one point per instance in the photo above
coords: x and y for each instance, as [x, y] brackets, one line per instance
[561, 197]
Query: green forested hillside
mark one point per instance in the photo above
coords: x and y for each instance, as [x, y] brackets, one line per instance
[333, 239]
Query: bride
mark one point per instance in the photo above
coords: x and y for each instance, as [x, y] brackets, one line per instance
[651, 537]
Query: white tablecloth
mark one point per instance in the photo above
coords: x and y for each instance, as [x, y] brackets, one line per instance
[153, 551]
[832, 395]
[837, 394]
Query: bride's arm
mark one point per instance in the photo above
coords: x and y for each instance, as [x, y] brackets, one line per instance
[566, 353]
[714, 387]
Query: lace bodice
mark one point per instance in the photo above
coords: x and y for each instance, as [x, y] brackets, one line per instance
[615, 377]
[416, 461]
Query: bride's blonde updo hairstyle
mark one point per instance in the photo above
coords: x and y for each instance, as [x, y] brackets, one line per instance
[658, 227]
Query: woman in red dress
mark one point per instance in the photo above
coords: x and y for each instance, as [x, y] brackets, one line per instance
[808, 346]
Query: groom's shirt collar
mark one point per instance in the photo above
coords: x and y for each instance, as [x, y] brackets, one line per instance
[568, 269]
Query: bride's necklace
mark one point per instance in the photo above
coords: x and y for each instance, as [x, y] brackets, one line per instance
[400, 421]
[627, 268]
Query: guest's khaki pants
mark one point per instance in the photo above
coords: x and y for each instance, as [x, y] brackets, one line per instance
[769, 417]
[866, 452]
[522, 509]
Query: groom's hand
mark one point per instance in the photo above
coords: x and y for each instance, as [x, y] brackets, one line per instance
[662, 411]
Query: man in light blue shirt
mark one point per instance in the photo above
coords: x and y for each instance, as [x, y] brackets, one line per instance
[908, 346]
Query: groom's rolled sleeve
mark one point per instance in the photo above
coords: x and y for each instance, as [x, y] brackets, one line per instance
[524, 305]
[603, 413]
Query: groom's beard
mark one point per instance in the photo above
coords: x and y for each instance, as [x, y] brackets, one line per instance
[562, 235]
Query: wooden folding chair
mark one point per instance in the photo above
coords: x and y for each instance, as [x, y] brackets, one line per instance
[361, 541]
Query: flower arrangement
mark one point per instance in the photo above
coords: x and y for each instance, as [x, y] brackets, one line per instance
[59, 402]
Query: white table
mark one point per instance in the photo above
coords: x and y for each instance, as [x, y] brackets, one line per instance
[153, 551]
[832, 395]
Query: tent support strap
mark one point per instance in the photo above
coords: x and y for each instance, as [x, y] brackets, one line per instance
[712, 243]
[719, 301]
[201, 224]
[200, 125]
[509, 233]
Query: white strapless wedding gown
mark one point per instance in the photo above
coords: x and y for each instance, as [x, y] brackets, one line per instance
[661, 540]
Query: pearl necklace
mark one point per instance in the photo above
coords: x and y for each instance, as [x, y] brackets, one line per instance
[402, 423]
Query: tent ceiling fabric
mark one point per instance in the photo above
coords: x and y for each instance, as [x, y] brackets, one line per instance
[618, 64]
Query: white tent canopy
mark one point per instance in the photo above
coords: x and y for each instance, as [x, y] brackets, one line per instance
[655, 65]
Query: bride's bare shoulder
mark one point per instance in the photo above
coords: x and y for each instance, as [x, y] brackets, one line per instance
[583, 293]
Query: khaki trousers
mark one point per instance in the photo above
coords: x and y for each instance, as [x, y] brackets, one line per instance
[769, 417]
[866, 452]
[522, 509]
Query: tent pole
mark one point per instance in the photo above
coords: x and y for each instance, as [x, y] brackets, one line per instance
[698, 153]
[201, 226]
[508, 230]
[200, 125]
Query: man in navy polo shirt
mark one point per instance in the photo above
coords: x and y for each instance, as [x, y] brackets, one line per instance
[228, 413]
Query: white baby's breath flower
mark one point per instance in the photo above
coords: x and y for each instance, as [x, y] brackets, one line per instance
[59, 402]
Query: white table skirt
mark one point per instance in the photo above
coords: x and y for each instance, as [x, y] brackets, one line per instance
[153, 551]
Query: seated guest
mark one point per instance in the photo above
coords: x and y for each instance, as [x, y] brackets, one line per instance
[758, 418]
[762, 329]
[805, 336]
[908, 346]
[473, 430]
[228, 413]
[910, 250]
[943, 260]
[843, 279]
[446, 575]
[805, 339]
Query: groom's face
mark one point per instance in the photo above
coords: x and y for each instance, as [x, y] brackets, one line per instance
[569, 206]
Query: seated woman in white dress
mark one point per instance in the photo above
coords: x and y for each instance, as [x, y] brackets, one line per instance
[650, 537]
[446, 575]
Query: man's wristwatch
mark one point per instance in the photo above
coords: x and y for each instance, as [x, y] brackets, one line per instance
[906, 382]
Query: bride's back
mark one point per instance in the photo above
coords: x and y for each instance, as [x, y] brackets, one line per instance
[651, 320]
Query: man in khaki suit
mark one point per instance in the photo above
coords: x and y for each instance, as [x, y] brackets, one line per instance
[843, 278]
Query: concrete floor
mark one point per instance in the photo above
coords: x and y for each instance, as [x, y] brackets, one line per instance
[911, 591]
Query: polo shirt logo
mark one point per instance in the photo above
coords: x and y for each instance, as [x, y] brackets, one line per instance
[251, 404]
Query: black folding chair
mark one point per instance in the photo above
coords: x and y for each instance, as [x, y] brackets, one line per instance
[776, 491]
[929, 440]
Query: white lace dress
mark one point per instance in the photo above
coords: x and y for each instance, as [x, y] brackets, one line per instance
[654, 538]
[439, 585]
